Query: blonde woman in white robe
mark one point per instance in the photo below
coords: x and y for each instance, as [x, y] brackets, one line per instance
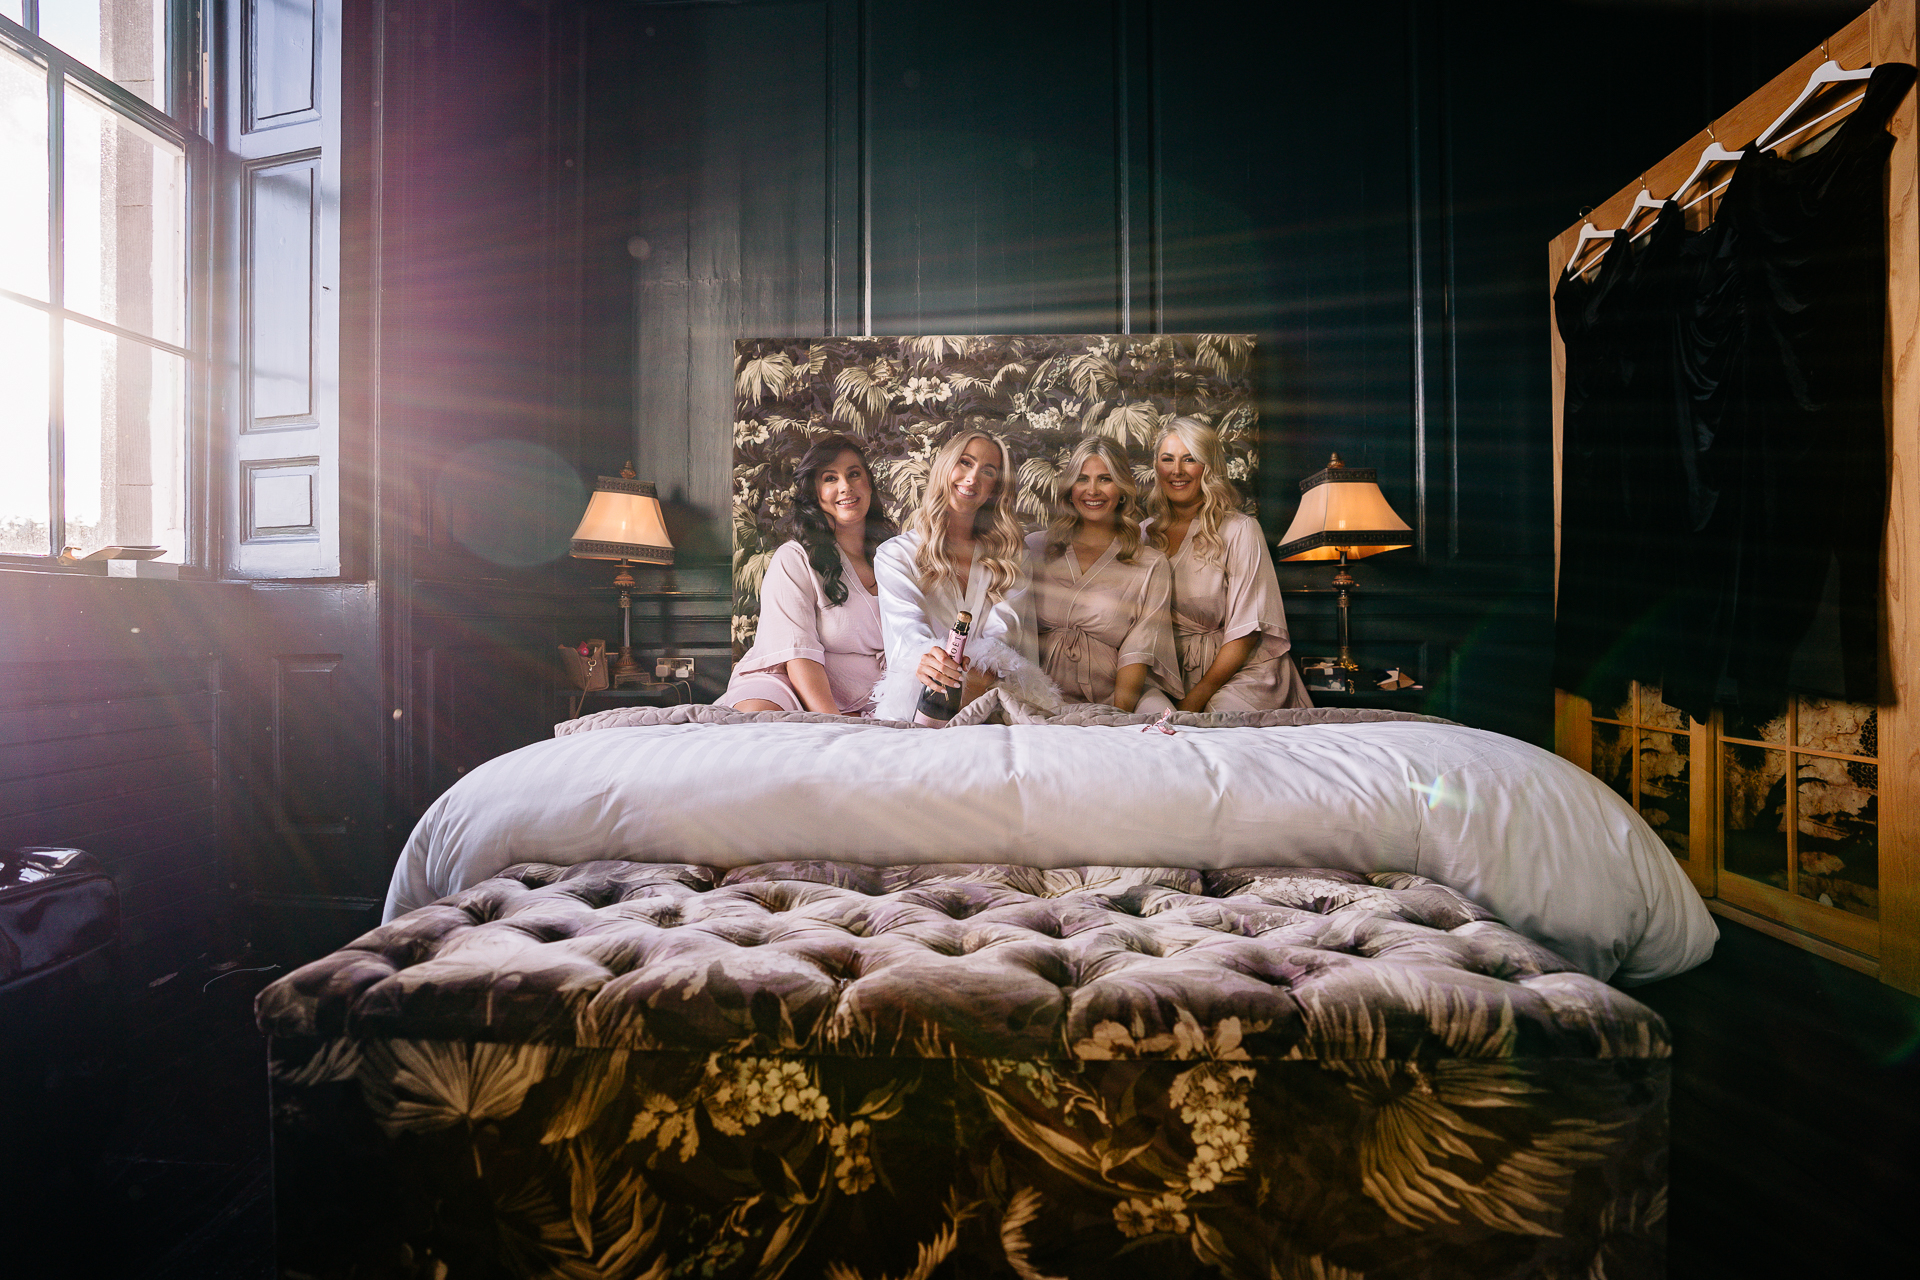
[962, 549]
[1229, 622]
[1101, 596]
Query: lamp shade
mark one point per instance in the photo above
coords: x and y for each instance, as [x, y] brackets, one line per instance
[623, 522]
[1343, 511]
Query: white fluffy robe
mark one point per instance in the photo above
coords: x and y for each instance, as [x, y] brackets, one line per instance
[1004, 641]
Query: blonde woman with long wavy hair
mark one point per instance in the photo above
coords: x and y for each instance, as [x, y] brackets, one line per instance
[962, 549]
[1229, 623]
[1101, 597]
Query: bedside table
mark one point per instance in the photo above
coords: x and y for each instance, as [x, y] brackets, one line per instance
[669, 694]
[1373, 699]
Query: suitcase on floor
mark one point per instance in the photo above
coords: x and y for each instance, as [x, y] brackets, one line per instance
[60, 1011]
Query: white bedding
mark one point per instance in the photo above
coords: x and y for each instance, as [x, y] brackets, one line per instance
[1538, 841]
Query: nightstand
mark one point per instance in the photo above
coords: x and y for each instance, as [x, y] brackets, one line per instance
[1373, 699]
[666, 694]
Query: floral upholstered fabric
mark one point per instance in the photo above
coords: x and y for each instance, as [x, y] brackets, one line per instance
[816, 1069]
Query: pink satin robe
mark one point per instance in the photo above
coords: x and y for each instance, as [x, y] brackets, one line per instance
[797, 621]
[1110, 616]
[1216, 600]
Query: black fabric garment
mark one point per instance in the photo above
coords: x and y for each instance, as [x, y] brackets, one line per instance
[1625, 473]
[1724, 438]
[1593, 318]
[1785, 347]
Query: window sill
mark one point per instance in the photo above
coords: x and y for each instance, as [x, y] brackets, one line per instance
[56, 569]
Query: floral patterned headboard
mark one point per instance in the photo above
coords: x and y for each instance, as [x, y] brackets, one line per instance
[905, 396]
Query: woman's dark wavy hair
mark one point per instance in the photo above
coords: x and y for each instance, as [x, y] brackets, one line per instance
[812, 528]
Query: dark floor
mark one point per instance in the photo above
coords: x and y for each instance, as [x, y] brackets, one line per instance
[1796, 1115]
[174, 1180]
[1796, 1129]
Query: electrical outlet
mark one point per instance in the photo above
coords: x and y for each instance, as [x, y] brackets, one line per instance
[682, 669]
[663, 668]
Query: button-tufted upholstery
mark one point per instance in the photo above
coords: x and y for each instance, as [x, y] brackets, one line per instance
[970, 961]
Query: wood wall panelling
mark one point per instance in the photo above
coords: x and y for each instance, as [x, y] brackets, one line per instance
[729, 231]
[283, 242]
[282, 66]
[993, 168]
[306, 750]
[112, 712]
[279, 499]
[284, 305]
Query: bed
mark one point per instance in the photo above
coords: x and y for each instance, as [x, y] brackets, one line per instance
[696, 992]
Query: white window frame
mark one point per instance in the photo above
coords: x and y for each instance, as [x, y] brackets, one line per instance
[183, 124]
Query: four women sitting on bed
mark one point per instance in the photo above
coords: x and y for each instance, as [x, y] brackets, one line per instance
[1181, 609]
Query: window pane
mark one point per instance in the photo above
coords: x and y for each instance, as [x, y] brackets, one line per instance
[1839, 824]
[124, 40]
[1613, 758]
[1666, 792]
[1612, 696]
[1826, 724]
[23, 431]
[126, 443]
[1753, 788]
[1738, 724]
[1655, 713]
[23, 159]
[125, 222]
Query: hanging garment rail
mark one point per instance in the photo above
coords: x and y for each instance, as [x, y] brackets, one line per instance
[1714, 154]
[1760, 114]
[1885, 33]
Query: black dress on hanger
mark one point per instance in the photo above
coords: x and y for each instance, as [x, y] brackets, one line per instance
[1783, 350]
[1623, 489]
[1723, 444]
[1595, 318]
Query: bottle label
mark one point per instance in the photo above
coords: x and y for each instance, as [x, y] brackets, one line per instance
[938, 706]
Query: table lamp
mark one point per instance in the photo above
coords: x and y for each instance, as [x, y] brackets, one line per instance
[1343, 514]
[623, 522]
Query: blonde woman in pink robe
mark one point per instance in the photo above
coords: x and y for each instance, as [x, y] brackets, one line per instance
[1228, 620]
[819, 645]
[1100, 595]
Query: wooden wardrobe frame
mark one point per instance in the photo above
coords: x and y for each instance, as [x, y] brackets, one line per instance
[1885, 33]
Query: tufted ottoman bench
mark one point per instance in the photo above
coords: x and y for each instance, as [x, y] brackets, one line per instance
[822, 1069]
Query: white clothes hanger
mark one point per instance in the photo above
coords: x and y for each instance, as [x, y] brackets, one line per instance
[1828, 72]
[1588, 234]
[1642, 200]
[1714, 154]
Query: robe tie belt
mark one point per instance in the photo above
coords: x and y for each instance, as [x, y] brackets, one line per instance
[1070, 654]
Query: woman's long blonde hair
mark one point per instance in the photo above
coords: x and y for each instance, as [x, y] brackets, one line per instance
[1218, 497]
[998, 543]
[1126, 516]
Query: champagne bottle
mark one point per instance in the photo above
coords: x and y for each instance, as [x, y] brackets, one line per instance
[937, 706]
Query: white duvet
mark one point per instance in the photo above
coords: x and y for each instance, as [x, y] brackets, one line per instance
[1538, 841]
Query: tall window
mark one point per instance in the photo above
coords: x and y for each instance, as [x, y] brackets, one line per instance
[96, 356]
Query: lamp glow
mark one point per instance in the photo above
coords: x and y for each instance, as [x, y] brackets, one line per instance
[624, 522]
[1343, 515]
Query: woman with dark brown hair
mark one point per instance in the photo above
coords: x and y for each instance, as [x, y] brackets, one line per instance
[818, 647]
